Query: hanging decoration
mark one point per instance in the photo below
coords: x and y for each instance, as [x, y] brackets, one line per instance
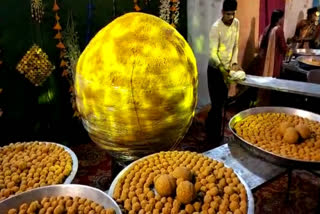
[169, 11]
[89, 21]
[37, 10]
[136, 5]
[174, 12]
[165, 10]
[58, 36]
[35, 65]
[70, 38]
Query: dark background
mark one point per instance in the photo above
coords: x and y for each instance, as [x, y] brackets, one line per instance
[29, 113]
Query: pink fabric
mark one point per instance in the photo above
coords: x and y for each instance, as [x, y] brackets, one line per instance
[266, 8]
[272, 55]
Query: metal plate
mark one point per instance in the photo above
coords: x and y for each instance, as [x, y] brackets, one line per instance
[306, 62]
[72, 190]
[74, 158]
[122, 172]
[269, 156]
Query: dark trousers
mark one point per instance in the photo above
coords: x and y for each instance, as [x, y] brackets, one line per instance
[218, 92]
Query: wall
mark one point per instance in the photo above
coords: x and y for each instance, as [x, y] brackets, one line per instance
[201, 15]
[294, 12]
[248, 15]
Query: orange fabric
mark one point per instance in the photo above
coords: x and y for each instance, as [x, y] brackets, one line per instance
[137, 8]
[60, 45]
[63, 63]
[57, 26]
[55, 6]
[57, 17]
[58, 35]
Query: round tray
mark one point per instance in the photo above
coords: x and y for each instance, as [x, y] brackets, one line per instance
[122, 172]
[304, 62]
[268, 156]
[74, 158]
[72, 190]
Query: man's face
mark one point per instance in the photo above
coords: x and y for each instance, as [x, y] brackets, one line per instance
[228, 16]
[315, 16]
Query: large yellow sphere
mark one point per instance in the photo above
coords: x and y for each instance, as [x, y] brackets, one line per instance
[136, 86]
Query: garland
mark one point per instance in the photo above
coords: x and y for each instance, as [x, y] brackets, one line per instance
[58, 36]
[165, 10]
[37, 10]
[169, 11]
[174, 12]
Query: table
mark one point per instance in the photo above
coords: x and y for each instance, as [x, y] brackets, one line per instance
[289, 86]
[252, 169]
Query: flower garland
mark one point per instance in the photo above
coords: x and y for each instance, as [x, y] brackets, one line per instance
[165, 10]
[136, 6]
[37, 10]
[174, 12]
[169, 11]
[58, 36]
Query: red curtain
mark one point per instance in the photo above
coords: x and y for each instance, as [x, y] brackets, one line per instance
[266, 8]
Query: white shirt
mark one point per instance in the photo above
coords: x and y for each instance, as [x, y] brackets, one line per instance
[224, 43]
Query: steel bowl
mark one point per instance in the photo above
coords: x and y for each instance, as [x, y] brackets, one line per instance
[72, 190]
[122, 173]
[305, 62]
[266, 155]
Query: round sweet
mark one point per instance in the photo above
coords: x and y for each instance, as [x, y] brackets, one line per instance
[303, 130]
[283, 127]
[213, 187]
[165, 185]
[61, 205]
[291, 135]
[262, 130]
[24, 166]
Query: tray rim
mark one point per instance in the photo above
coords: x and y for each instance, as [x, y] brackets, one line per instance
[273, 109]
[44, 188]
[250, 198]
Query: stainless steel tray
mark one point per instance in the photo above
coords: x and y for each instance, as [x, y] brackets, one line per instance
[122, 172]
[72, 190]
[268, 156]
[74, 158]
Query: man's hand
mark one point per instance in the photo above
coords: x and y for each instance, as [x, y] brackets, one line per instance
[225, 73]
[235, 67]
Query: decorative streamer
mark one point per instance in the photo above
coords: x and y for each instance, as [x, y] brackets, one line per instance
[58, 36]
[165, 10]
[37, 10]
[89, 20]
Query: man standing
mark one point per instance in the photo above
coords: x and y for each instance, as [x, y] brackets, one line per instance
[224, 38]
[307, 30]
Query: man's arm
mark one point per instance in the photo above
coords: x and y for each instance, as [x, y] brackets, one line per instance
[234, 60]
[214, 45]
